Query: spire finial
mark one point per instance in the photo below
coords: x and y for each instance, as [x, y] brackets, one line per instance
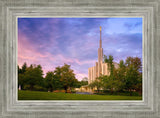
[100, 49]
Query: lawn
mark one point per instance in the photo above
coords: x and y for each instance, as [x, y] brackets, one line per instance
[37, 95]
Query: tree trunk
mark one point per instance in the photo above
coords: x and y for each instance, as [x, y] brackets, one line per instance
[65, 89]
[31, 87]
[130, 92]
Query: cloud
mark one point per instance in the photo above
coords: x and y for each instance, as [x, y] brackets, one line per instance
[131, 26]
[51, 42]
[123, 45]
[29, 53]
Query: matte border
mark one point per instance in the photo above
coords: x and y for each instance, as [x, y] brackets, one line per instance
[11, 9]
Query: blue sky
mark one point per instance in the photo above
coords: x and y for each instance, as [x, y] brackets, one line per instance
[52, 42]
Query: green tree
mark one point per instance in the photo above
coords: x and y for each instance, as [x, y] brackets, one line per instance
[127, 76]
[24, 67]
[33, 76]
[49, 80]
[131, 78]
[109, 61]
[98, 84]
[19, 69]
[133, 74]
[135, 62]
[66, 75]
[21, 81]
[105, 59]
[111, 65]
[52, 82]
[84, 81]
[120, 76]
[110, 82]
[139, 84]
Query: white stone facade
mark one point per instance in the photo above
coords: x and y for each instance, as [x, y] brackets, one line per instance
[100, 68]
[97, 70]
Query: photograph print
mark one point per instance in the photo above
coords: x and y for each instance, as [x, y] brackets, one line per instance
[80, 58]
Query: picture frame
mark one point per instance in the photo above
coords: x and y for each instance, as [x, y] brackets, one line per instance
[11, 107]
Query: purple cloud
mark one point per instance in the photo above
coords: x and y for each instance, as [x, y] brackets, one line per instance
[52, 42]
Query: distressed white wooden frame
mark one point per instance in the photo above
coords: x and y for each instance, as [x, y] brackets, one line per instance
[12, 9]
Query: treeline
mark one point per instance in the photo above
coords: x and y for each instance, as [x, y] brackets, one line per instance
[62, 78]
[126, 78]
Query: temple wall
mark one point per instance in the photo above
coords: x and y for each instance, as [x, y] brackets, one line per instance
[105, 70]
[96, 67]
[91, 74]
[97, 70]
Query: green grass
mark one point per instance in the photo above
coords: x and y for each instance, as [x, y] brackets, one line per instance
[37, 95]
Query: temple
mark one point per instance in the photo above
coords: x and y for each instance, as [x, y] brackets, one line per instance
[100, 67]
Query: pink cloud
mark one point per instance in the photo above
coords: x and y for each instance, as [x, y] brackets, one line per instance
[27, 53]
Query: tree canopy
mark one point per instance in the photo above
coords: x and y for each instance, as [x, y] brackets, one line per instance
[127, 77]
[32, 78]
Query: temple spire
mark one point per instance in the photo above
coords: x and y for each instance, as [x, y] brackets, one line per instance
[100, 42]
[100, 50]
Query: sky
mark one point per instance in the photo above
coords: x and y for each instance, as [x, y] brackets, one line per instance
[51, 42]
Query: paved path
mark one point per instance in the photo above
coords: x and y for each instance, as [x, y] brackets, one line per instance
[83, 93]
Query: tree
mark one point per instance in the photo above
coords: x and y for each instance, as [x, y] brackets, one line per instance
[49, 80]
[84, 81]
[133, 79]
[24, 67]
[52, 80]
[127, 76]
[135, 62]
[21, 81]
[66, 75]
[120, 75]
[33, 76]
[109, 61]
[19, 69]
[97, 84]
[139, 84]
[105, 59]
[108, 83]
